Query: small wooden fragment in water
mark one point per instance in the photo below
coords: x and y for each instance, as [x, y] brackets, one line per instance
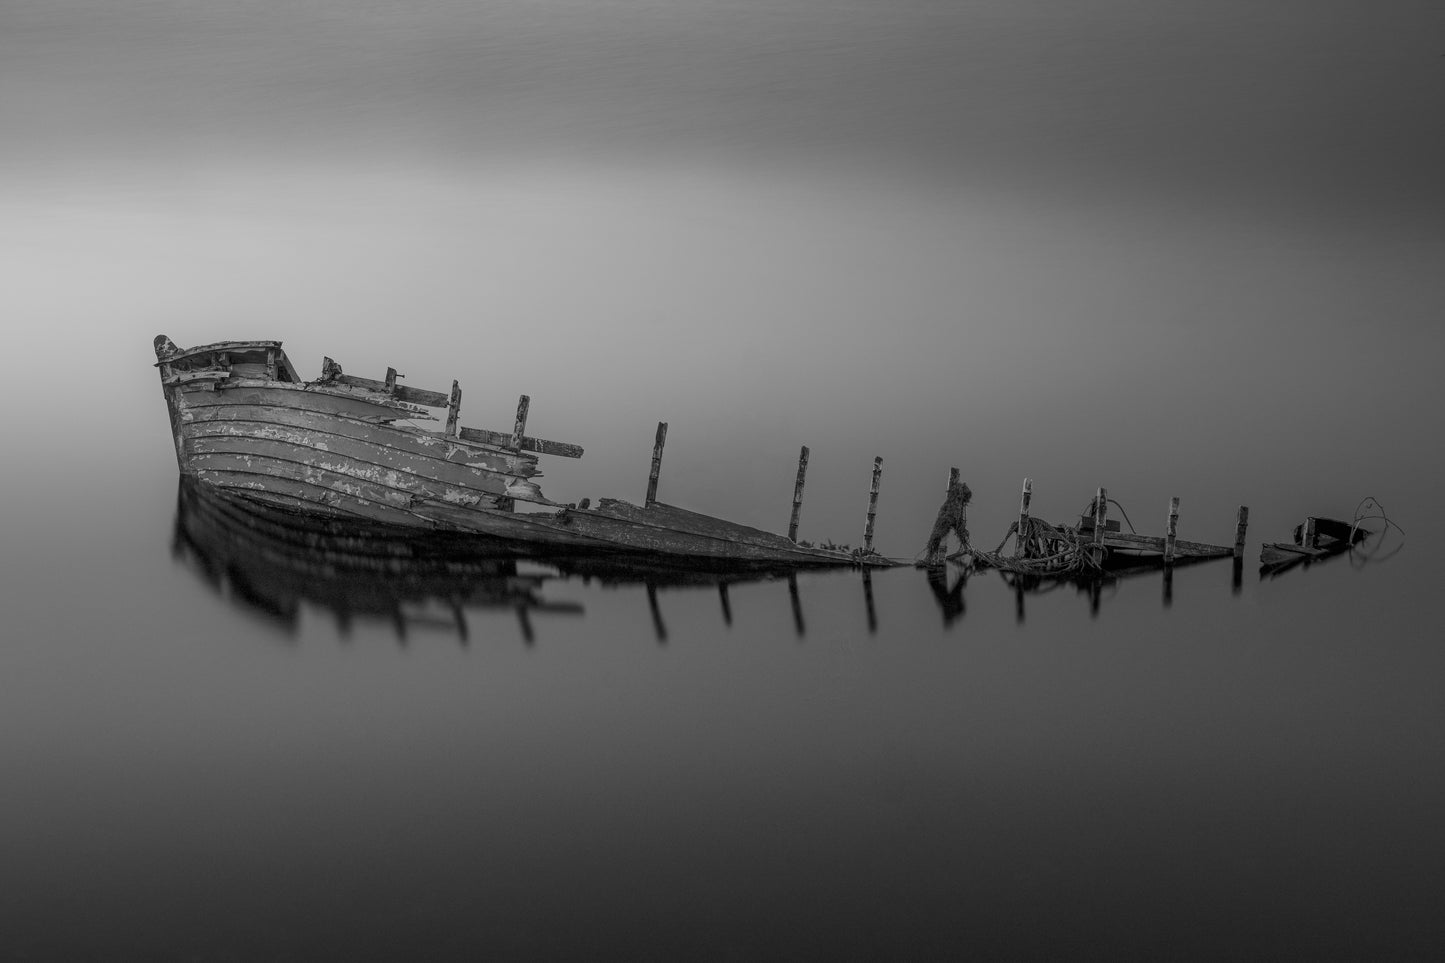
[1171, 531]
[1239, 528]
[523, 403]
[656, 463]
[872, 504]
[798, 494]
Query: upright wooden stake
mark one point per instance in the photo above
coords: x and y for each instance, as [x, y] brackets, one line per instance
[1170, 532]
[656, 463]
[1021, 536]
[1308, 541]
[798, 494]
[1101, 508]
[391, 380]
[521, 424]
[1239, 527]
[454, 409]
[872, 504]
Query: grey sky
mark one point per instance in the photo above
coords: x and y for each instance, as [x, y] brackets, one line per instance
[1327, 111]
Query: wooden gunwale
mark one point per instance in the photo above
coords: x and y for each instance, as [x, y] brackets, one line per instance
[409, 440]
[315, 389]
[1182, 548]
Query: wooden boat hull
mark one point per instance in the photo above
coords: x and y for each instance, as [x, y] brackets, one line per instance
[345, 448]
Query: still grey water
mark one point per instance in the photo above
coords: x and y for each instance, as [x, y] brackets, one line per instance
[1192, 251]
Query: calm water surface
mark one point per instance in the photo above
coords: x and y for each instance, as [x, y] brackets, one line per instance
[1192, 251]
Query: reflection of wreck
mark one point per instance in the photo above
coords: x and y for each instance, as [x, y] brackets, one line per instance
[346, 447]
[273, 561]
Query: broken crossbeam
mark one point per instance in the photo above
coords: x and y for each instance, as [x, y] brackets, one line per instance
[503, 439]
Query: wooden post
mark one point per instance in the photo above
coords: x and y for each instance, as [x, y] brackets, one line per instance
[1021, 536]
[523, 403]
[1240, 525]
[1171, 531]
[798, 494]
[656, 463]
[391, 381]
[1101, 508]
[872, 505]
[1308, 540]
[454, 409]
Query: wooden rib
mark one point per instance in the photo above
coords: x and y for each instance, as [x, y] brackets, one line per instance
[424, 443]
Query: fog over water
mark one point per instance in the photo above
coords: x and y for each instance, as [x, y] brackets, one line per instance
[1175, 249]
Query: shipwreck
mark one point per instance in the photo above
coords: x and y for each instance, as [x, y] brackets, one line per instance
[245, 422]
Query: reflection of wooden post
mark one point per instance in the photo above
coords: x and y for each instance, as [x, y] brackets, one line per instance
[657, 624]
[872, 505]
[656, 463]
[454, 408]
[1168, 585]
[727, 608]
[1239, 526]
[1308, 536]
[868, 601]
[1021, 536]
[1170, 532]
[797, 604]
[521, 424]
[525, 621]
[798, 494]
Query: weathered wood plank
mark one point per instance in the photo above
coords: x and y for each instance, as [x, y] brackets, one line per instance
[389, 388]
[321, 496]
[308, 447]
[316, 398]
[258, 418]
[186, 377]
[343, 475]
[1129, 540]
[542, 446]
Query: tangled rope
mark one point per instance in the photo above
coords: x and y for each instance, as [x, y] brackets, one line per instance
[1042, 549]
[1370, 509]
